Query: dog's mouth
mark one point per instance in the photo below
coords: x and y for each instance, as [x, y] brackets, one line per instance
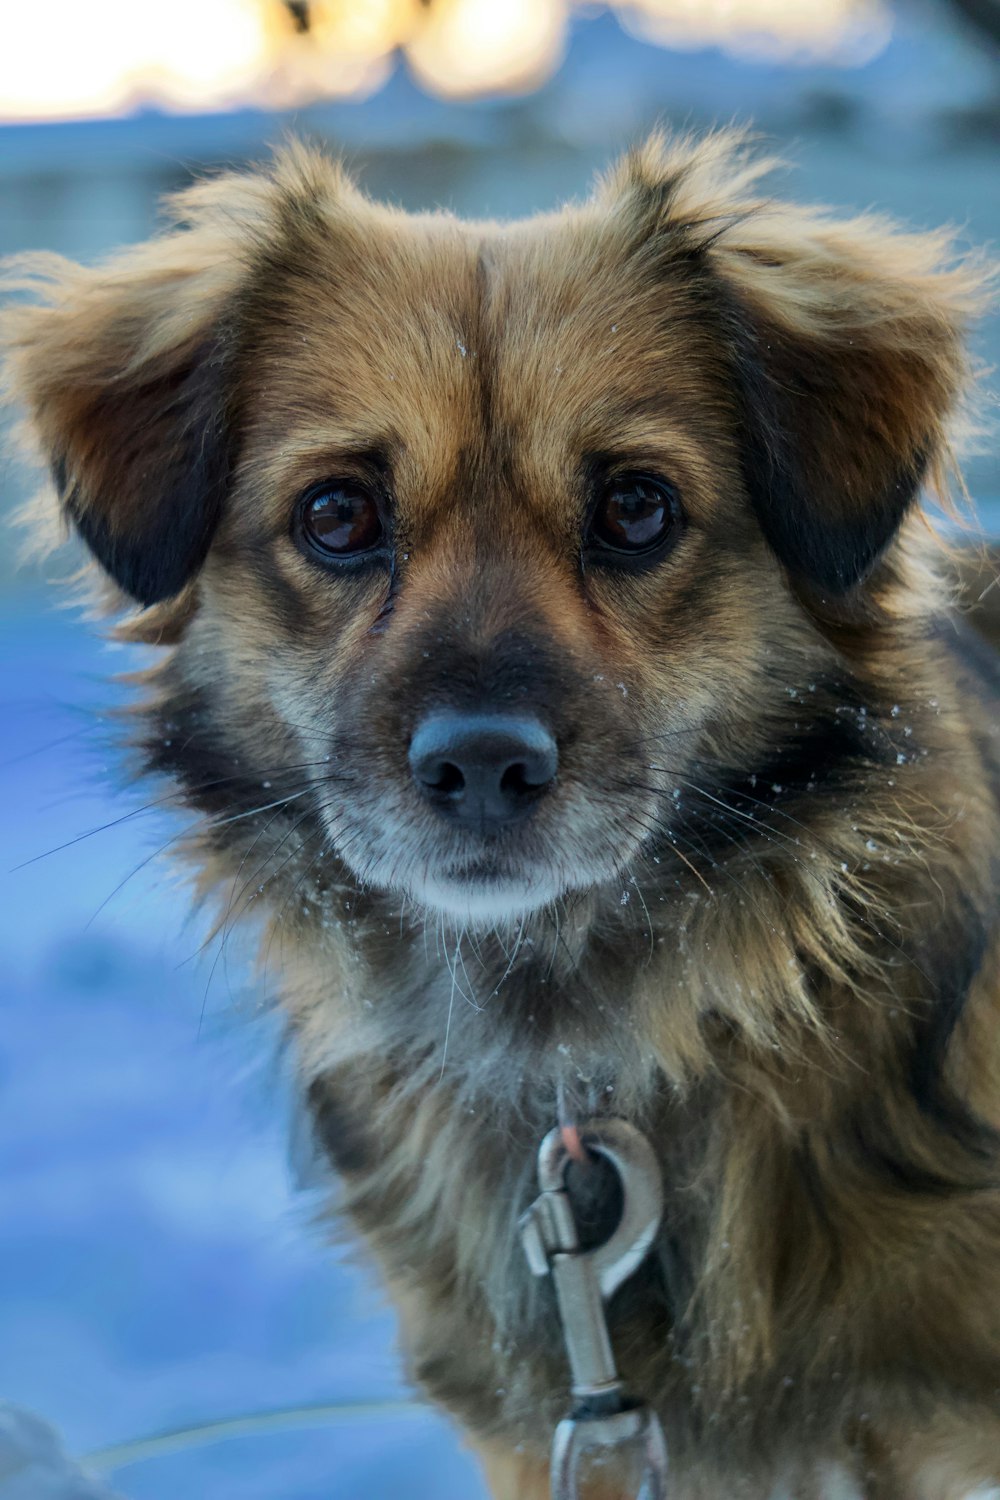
[498, 884]
[492, 817]
[466, 877]
[483, 880]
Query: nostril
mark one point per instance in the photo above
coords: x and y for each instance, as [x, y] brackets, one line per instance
[517, 781]
[447, 778]
[534, 771]
[514, 780]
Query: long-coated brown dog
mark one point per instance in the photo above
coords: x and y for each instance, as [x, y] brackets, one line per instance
[554, 648]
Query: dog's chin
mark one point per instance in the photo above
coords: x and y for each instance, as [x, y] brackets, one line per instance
[480, 895]
[483, 901]
[478, 887]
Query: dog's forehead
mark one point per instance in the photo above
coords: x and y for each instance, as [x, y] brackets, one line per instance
[514, 350]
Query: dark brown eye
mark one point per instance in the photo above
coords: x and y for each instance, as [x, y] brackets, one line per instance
[341, 519]
[636, 514]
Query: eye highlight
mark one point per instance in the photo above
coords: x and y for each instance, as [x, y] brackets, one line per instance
[340, 518]
[636, 517]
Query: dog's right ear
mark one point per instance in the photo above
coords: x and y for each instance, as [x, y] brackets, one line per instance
[124, 372]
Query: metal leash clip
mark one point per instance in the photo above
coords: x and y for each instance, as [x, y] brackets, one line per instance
[603, 1417]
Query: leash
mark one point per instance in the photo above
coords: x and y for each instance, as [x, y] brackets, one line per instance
[602, 1416]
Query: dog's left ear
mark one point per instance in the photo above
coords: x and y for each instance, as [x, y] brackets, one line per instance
[847, 345]
[843, 340]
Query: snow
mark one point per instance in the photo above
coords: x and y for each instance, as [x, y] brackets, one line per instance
[33, 1465]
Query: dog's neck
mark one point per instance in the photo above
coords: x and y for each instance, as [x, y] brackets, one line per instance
[605, 1003]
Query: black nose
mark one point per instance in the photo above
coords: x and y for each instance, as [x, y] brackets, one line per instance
[483, 770]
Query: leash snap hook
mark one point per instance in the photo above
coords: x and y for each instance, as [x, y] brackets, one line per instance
[602, 1416]
[576, 1435]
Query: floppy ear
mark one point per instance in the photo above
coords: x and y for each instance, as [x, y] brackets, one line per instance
[124, 373]
[847, 347]
[844, 341]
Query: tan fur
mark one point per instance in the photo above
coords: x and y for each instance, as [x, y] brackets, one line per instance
[758, 910]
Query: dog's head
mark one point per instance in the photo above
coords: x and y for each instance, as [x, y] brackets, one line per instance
[491, 539]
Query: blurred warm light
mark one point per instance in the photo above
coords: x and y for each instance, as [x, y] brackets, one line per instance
[66, 59]
[846, 31]
[348, 49]
[482, 46]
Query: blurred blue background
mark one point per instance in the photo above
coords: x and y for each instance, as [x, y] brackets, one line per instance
[161, 1264]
